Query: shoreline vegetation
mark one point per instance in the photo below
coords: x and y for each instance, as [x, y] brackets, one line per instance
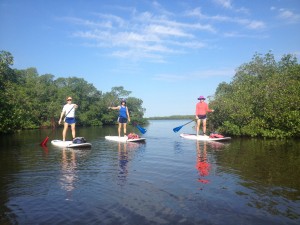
[262, 100]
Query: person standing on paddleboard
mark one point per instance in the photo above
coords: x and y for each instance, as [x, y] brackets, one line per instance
[69, 111]
[201, 110]
[123, 116]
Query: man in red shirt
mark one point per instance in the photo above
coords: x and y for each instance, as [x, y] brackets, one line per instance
[201, 110]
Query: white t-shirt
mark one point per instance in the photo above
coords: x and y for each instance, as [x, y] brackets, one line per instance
[67, 108]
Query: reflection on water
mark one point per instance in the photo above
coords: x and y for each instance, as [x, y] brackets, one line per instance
[125, 151]
[202, 165]
[68, 171]
[249, 181]
[268, 173]
[123, 160]
[45, 148]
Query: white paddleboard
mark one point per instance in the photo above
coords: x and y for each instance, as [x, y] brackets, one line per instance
[70, 144]
[124, 139]
[203, 138]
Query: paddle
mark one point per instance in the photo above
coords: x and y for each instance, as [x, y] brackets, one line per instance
[44, 142]
[176, 129]
[141, 129]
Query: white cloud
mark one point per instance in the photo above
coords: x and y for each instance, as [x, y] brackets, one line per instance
[224, 3]
[87, 23]
[288, 15]
[161, 9]
[227, 4]
[255, 25]
[143, 35]
[250, 24]
[167, 30]
[154, 35]
[241, 35]
[112, 19]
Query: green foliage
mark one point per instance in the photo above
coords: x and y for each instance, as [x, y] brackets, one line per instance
[263, 99]
[29, 100]
[229, 128]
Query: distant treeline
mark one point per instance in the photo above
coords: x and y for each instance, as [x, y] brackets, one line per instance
[174, 117]
[29, 100]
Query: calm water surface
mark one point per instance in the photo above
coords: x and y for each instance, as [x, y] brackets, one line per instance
[166, 180]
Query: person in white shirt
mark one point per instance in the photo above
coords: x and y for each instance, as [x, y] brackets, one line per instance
[69, 111]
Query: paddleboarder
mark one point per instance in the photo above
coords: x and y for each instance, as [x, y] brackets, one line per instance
[69, 111]
[201, 110]
[123, 116]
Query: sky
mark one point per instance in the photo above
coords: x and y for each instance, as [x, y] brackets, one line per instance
[166, 52]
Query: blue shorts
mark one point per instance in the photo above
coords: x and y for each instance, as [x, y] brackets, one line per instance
[201, 117]
[70, 120]
[122, 120]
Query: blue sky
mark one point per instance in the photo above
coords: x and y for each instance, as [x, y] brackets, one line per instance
[167, 52]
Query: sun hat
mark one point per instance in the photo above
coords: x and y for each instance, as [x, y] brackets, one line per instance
[123, 100]
[201, 97]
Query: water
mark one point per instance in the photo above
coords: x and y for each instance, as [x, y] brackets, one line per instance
[166, 180]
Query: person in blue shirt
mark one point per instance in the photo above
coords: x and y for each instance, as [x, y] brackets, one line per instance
[123, 116]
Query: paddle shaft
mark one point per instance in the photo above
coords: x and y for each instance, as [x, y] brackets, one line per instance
[176, 129]
[68, 112]
[187, 123]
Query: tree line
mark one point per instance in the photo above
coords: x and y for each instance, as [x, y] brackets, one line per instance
[262, 100]
[29, 100]
[173, 117]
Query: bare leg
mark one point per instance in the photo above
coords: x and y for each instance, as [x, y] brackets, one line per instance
[124, 127]
[119, 129]
[66, 125]
[73, 130]
[204, 126]
[198, 126]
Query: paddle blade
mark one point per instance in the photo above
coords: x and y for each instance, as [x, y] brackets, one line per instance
[44, 142]
[176, 129]
[141, 129]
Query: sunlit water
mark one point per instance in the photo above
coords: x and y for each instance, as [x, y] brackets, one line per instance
[166, 180]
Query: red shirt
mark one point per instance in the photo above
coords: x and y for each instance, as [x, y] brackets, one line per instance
[202, 108]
